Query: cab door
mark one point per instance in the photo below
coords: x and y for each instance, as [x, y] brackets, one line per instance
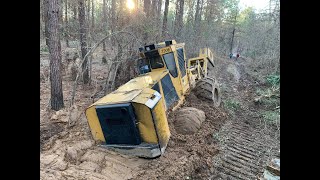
[181, 63]
[169, 57]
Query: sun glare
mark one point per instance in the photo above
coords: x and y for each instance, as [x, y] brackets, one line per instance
[130, 4]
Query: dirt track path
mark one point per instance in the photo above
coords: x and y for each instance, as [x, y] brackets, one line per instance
[244, 146]
[243, 154]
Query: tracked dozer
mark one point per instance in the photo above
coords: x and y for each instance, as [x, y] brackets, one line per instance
[133, 118]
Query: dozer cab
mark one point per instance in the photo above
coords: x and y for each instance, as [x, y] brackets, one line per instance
[133, 119]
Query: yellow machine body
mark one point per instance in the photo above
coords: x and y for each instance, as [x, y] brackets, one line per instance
[132, 119]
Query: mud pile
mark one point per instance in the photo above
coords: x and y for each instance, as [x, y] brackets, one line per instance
[189, 120]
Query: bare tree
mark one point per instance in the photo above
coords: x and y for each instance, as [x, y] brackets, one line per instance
[146, 7]
[45, 18]
[113, 15]
[92, 15]
[60, 15]
[197, 16]
[83, 41]
[197, 23]
[159, 9]
[179, 17]
[75, 13]
[165, 18]
[66, 22]
[88, 11]
[104, 23]
[154, 6]
[234, 29]
[55, 54]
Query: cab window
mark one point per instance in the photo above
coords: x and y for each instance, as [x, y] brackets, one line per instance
[156, 62]
[171, 64]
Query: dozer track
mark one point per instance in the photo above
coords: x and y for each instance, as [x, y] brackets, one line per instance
[243, 153]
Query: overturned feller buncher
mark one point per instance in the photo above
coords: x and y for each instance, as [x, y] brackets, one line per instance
[132, 119]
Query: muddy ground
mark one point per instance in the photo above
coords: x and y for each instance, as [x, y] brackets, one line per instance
[68, 151]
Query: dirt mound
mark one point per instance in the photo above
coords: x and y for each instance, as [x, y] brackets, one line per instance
[189, 120]
[75, 156]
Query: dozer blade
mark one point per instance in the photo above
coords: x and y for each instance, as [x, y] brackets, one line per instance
[208, 88]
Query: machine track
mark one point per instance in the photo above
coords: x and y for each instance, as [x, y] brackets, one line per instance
[243, 154]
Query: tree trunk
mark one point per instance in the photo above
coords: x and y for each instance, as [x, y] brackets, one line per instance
[231, 44]
[233, 31]
[159, 9]
[209, 11]
[146, 7]
[159, 15]
[165, 18]
[41, 19]
[60, 15]
[83, 41]
[197, 24]
[190, 16]
[88, 12]
[113, 15]
[66, 22]
[179, 17]
[120, 16]
[104, 23]
[75, 14]
[45, 19]
[92, 15]
[196, 16]
[55, 55]
[113, 20]
[176, 18]
[154, 6]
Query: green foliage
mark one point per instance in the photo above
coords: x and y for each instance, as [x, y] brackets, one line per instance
[230, 10]
[246, 17]
[269, 97]
[44, 49]
[271, 116]
[273, 79]
[232, 104]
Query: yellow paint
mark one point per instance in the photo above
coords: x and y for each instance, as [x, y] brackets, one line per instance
[145, 125]
[131, 89]
[185, 84]
[161, 123]
[144, 96]
[94, 124]
[206, 53]
[184, 80]
[177, 81]
[165, 50]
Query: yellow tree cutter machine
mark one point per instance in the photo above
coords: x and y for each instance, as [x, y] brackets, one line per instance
[132, 119]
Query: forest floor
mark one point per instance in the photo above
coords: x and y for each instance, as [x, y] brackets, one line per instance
[234, 142]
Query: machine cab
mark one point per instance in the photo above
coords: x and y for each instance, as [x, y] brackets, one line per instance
[151, 57]
[167, 55]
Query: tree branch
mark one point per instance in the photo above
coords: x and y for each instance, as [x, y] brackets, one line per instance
[89, 53]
